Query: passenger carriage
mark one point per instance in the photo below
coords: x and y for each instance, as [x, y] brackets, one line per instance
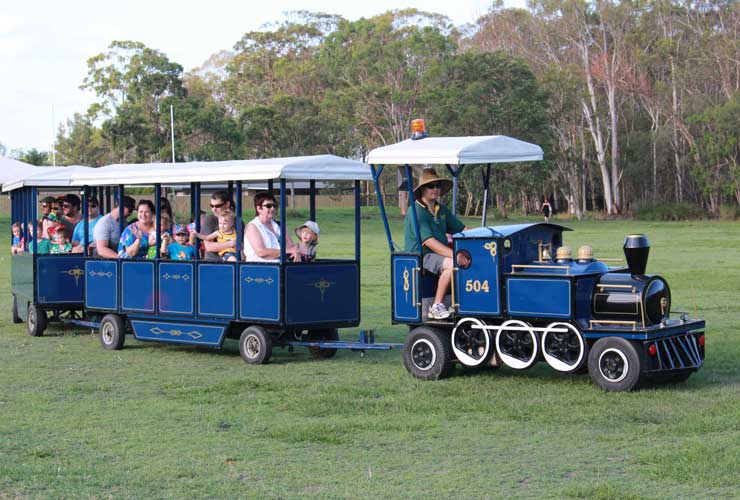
[517, 302]
[263, 304]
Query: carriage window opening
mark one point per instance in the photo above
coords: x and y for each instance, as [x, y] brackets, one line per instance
[467, 256]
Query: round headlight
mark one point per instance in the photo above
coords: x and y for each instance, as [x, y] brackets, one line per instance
[657, 301]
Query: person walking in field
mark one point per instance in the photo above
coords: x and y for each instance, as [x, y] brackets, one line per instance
[546, 210]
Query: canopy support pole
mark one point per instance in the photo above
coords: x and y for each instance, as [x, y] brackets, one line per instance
[412, 202]
[239, 241]
[195, 193]
[486, 190]
[158, 219]
[121, 216]
[312, 200]
[85, 221]
[357, 221]
[376, 171]
[454, 172]
[283, 221]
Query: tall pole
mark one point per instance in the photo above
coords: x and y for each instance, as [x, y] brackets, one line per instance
[53, 140]
[172, 129]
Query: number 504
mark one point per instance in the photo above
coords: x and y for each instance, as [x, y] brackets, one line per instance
[476, 286]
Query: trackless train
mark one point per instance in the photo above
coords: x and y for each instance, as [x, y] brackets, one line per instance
[521, 297]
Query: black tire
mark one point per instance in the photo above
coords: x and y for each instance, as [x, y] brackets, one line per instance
[16, 318]
[614, 364]
[331, 334]
[37, 321]
[112, 332]
[255, 345]
[427, 353]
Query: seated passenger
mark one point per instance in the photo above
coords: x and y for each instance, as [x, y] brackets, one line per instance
[18, 244]
[224, 234]
[107, 232]
[220, 200]
[43, 244]
[308, 235]
[71, 207]
[135, 238]
[165, 229]
[61, 243]
[48, 208]
[435, 222]
[180, 249]
[93, 216]
[262, 235]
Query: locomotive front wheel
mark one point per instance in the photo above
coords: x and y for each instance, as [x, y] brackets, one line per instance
[471, 343]
[255, 345]
[331, 334]
[563, 347]
[427, 353]
[37, 321]
[517, 344]
[112, 332]
[614, 364]
[16, 317]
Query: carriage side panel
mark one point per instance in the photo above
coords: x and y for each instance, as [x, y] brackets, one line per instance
[101, 284]
[216, 290]
[405, 286]
[322, 293]
[539, 297]
[477, 287]
[137, 286]
[259, 292]
[176, 288]
[60, 279]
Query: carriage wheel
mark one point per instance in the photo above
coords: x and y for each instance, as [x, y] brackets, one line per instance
[471, 343]
[427, 353]
[37, 321]
[255, 345]
[565, 350]
[517, 345]
[614, 364]
[112, 332]
[330, 334]
[16, 317]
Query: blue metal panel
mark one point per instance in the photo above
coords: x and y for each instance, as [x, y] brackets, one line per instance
[101, 287]
[216, 290]
[137, 286]
[540, 297]
[60, 279]
[179, 333]
[405, 288]
[176, 288]
[477, 287]
[322, 293]
[259, 295]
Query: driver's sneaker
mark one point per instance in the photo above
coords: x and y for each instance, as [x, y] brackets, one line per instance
[438, 311]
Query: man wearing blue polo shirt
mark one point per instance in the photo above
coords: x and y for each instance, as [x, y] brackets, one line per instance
[93, 216]
[435, 222]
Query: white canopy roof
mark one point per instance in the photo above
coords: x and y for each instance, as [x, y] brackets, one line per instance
[456, 151]
[11, 169]
[46, 177]
[321, 167]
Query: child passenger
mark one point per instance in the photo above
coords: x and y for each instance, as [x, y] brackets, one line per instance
[225, 232]
[165, 228]
[180, 249]
[308, 236]
[18, 243]
[42, 244]
[61, 243]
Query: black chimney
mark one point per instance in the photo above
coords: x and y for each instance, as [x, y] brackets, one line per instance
[636, 250]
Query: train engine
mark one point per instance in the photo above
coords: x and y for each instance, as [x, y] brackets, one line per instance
[525, 298]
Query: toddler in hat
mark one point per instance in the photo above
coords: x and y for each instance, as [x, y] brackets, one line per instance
[181, 249]
[308, 239]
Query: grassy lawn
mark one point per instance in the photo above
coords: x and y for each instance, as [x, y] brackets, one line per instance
[160, 421]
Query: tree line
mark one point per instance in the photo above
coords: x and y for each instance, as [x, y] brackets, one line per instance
[633, 102]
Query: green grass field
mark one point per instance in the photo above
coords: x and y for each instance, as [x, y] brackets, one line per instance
[159, 421]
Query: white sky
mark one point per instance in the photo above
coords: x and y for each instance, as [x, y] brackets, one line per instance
[45, 44]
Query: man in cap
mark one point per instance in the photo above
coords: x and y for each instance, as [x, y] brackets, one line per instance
[435, 222]
[107, 230]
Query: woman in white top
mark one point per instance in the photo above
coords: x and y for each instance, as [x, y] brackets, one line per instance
[262, 235]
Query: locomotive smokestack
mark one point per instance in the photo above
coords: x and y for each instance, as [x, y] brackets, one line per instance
[636, 250]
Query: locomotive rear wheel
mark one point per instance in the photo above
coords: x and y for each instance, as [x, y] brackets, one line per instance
[427, 353]
[517, 344]
[255, 345]
[614, 364]
[471, 343]
[331, 334]
[563, 351]
[37, 321]
[16, 317]
[112, 332]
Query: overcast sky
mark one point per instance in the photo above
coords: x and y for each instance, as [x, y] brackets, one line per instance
[44, 45]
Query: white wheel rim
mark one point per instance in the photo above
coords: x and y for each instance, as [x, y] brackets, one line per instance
[625, 370]
[556, 363]
[511, 361]
[106, 333]
[419, 344]
[463, 356]
[252, 346]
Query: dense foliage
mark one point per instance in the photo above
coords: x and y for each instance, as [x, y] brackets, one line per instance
[634, 103]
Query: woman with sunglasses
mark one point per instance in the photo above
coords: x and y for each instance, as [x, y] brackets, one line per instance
[262, 236]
